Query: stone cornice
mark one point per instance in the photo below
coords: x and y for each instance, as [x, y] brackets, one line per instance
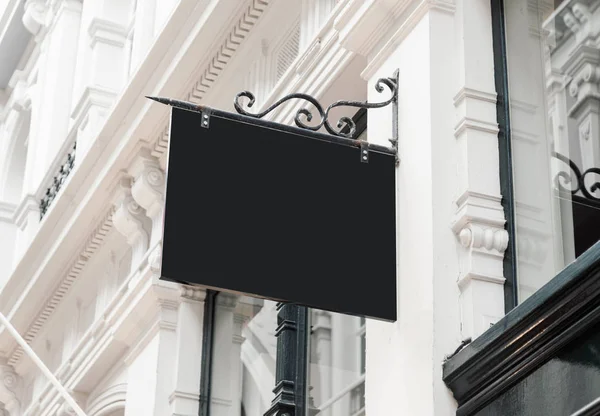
[94, 242]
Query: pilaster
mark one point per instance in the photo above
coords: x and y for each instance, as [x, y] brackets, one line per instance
[451, 236]
[184, 399]
[57, 32]
[226, 367]
[102, 67]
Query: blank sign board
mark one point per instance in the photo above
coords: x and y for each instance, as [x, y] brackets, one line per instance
[281, 213]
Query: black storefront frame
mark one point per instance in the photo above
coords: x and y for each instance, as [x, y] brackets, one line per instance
[293, 333]
[505, 152]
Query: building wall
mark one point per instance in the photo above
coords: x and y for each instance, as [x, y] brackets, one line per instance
[80, 283]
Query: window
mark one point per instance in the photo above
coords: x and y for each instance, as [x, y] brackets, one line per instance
[552, 124]
[323, 354]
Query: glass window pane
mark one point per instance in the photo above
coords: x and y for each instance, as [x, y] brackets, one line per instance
[553, 72]
[244, 351]
[336, 372]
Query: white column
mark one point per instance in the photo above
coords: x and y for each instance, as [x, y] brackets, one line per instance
[58, 46]
[184, 397]
[143, 32]
[226, 365]
[102, 66]
[479, 217]
[448, 175]
[164, 366]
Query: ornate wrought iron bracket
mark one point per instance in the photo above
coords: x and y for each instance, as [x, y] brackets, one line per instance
[345, 126]
[565, 182]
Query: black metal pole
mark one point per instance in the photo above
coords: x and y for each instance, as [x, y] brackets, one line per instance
[207, 347]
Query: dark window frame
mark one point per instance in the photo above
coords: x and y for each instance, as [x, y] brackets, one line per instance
[505, 152]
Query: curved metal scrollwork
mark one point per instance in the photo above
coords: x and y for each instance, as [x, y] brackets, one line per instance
[345, 125]
[563, 178]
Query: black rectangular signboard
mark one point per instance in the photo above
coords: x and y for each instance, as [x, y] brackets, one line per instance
[281, 213]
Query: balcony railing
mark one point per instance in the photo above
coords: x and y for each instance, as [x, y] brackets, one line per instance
[58, 181]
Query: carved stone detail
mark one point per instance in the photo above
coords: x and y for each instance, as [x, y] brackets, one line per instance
[226, 300]
[130, 220]
[34, 18]
[193, 293]
[129, 216]
[476, 236]
[585, 81]
[155, 260]
[10, 390]
[148, 188]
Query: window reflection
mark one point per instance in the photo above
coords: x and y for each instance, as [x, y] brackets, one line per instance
[244, 351]
[554, 73]
[336, 371]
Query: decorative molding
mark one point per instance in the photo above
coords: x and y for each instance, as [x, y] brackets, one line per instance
[193, 293]
[475, 236]
[107, 32]
[155, 260]
[36, 15]
[466, 93]
[94, 242]
[92, 97]
[11, 388]
[113, 398]
[226, 300]
[130, 218]
[7, 212]
[467, 123]
[21, 215]
[177, 394]
[148, 184]
[227, 49]
[216, 64]
[161, 144]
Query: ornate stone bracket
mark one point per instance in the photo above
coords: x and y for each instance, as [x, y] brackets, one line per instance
[35, 16]
[10, 391]
[479, 228]
[130, 220]
[148, 189]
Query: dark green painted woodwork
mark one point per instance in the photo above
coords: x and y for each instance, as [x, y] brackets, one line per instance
[560, 387]
[548, 324]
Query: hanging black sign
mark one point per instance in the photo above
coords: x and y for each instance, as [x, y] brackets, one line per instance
[281, 213]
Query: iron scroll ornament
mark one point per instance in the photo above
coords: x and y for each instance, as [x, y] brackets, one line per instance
[345, 125]
[563, 178]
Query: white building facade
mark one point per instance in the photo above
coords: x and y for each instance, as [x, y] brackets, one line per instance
[82, 174]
